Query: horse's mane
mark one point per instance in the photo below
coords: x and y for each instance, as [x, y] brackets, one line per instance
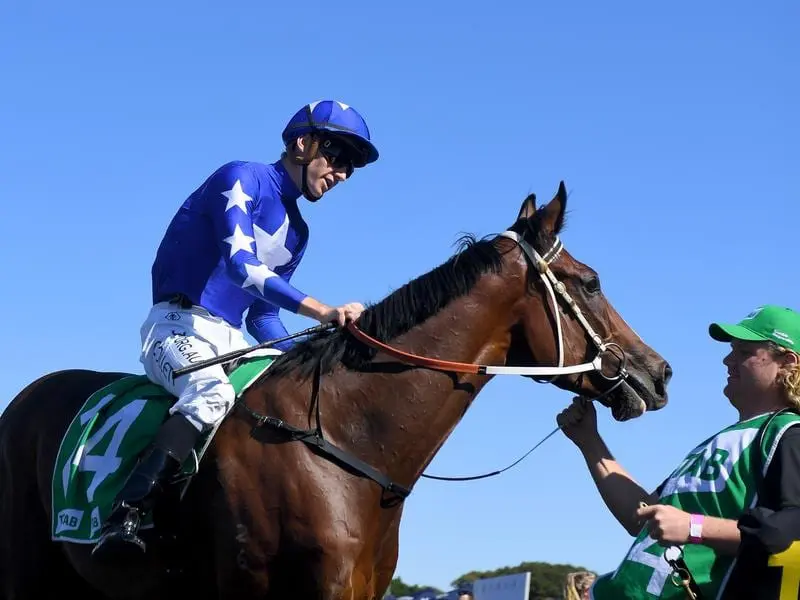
[399, 312]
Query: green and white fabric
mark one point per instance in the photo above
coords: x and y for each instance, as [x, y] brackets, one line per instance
[716, 479]
[103, 443]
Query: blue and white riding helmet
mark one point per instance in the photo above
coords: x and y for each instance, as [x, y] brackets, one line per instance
[337, 118]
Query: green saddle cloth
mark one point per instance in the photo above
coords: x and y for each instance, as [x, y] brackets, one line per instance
[103, 443]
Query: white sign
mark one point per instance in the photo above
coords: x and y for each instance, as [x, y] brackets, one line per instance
[506, 587]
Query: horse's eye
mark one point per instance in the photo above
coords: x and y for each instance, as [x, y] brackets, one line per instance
[592, 286]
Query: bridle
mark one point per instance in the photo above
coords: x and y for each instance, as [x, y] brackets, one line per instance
[555, 289]
[553, 286]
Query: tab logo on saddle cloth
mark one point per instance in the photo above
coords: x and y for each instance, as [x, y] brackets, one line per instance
[69, 519]
[708, 468]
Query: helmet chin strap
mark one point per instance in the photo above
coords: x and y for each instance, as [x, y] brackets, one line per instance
[304, 187]
[300, 159]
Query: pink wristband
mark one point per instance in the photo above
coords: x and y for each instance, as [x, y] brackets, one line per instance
[696, 529]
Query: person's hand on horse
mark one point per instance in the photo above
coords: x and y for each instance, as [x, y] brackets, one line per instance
[342, 314]
[579, 421]
[666, 524]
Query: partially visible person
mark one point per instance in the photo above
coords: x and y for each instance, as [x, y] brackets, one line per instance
[465, 590]
[578, 584]
[703, 511]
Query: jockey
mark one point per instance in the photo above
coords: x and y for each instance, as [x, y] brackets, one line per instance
[232, 247]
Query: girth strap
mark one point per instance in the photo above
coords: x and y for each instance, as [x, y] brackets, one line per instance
[313, 438]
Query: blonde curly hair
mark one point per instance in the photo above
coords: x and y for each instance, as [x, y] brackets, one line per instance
[577, 584]
[788, 376]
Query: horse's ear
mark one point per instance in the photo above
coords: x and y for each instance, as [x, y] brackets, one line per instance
[553, 219]
[528, 208]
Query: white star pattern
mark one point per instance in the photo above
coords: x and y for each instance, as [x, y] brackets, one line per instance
[271, 247]
[237, 197]
[313, 105]
[239, 241]
[257, 275]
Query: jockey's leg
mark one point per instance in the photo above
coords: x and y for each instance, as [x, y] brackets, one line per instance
[203, 399]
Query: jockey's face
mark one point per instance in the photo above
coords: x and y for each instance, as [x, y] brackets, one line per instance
[329, 167]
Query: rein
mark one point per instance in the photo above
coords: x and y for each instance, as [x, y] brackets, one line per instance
[459, 367]
[553, 285]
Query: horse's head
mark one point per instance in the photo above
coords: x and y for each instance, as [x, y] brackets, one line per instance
[601, 356]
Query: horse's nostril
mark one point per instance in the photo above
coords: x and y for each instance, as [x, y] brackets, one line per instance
[661, 384]
[667, 373]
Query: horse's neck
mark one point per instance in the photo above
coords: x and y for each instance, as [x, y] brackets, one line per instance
[409, 414]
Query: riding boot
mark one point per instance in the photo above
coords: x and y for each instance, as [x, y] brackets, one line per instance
[161, 462]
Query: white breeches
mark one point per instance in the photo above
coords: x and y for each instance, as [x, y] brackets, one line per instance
[175, 337]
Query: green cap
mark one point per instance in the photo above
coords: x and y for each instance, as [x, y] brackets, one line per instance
[768, 323]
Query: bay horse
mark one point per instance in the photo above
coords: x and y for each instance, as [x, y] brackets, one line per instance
[301, 491]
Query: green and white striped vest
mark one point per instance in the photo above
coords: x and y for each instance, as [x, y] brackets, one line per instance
[716, 479]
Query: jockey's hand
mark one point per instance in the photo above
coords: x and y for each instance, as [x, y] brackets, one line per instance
[579, 422]
[342, 314]
[666, 524]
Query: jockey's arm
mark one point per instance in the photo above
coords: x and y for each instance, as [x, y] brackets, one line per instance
[263, 321]
[264, 324]
[233, 227]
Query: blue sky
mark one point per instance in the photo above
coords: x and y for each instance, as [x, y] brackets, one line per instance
[674, 125]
